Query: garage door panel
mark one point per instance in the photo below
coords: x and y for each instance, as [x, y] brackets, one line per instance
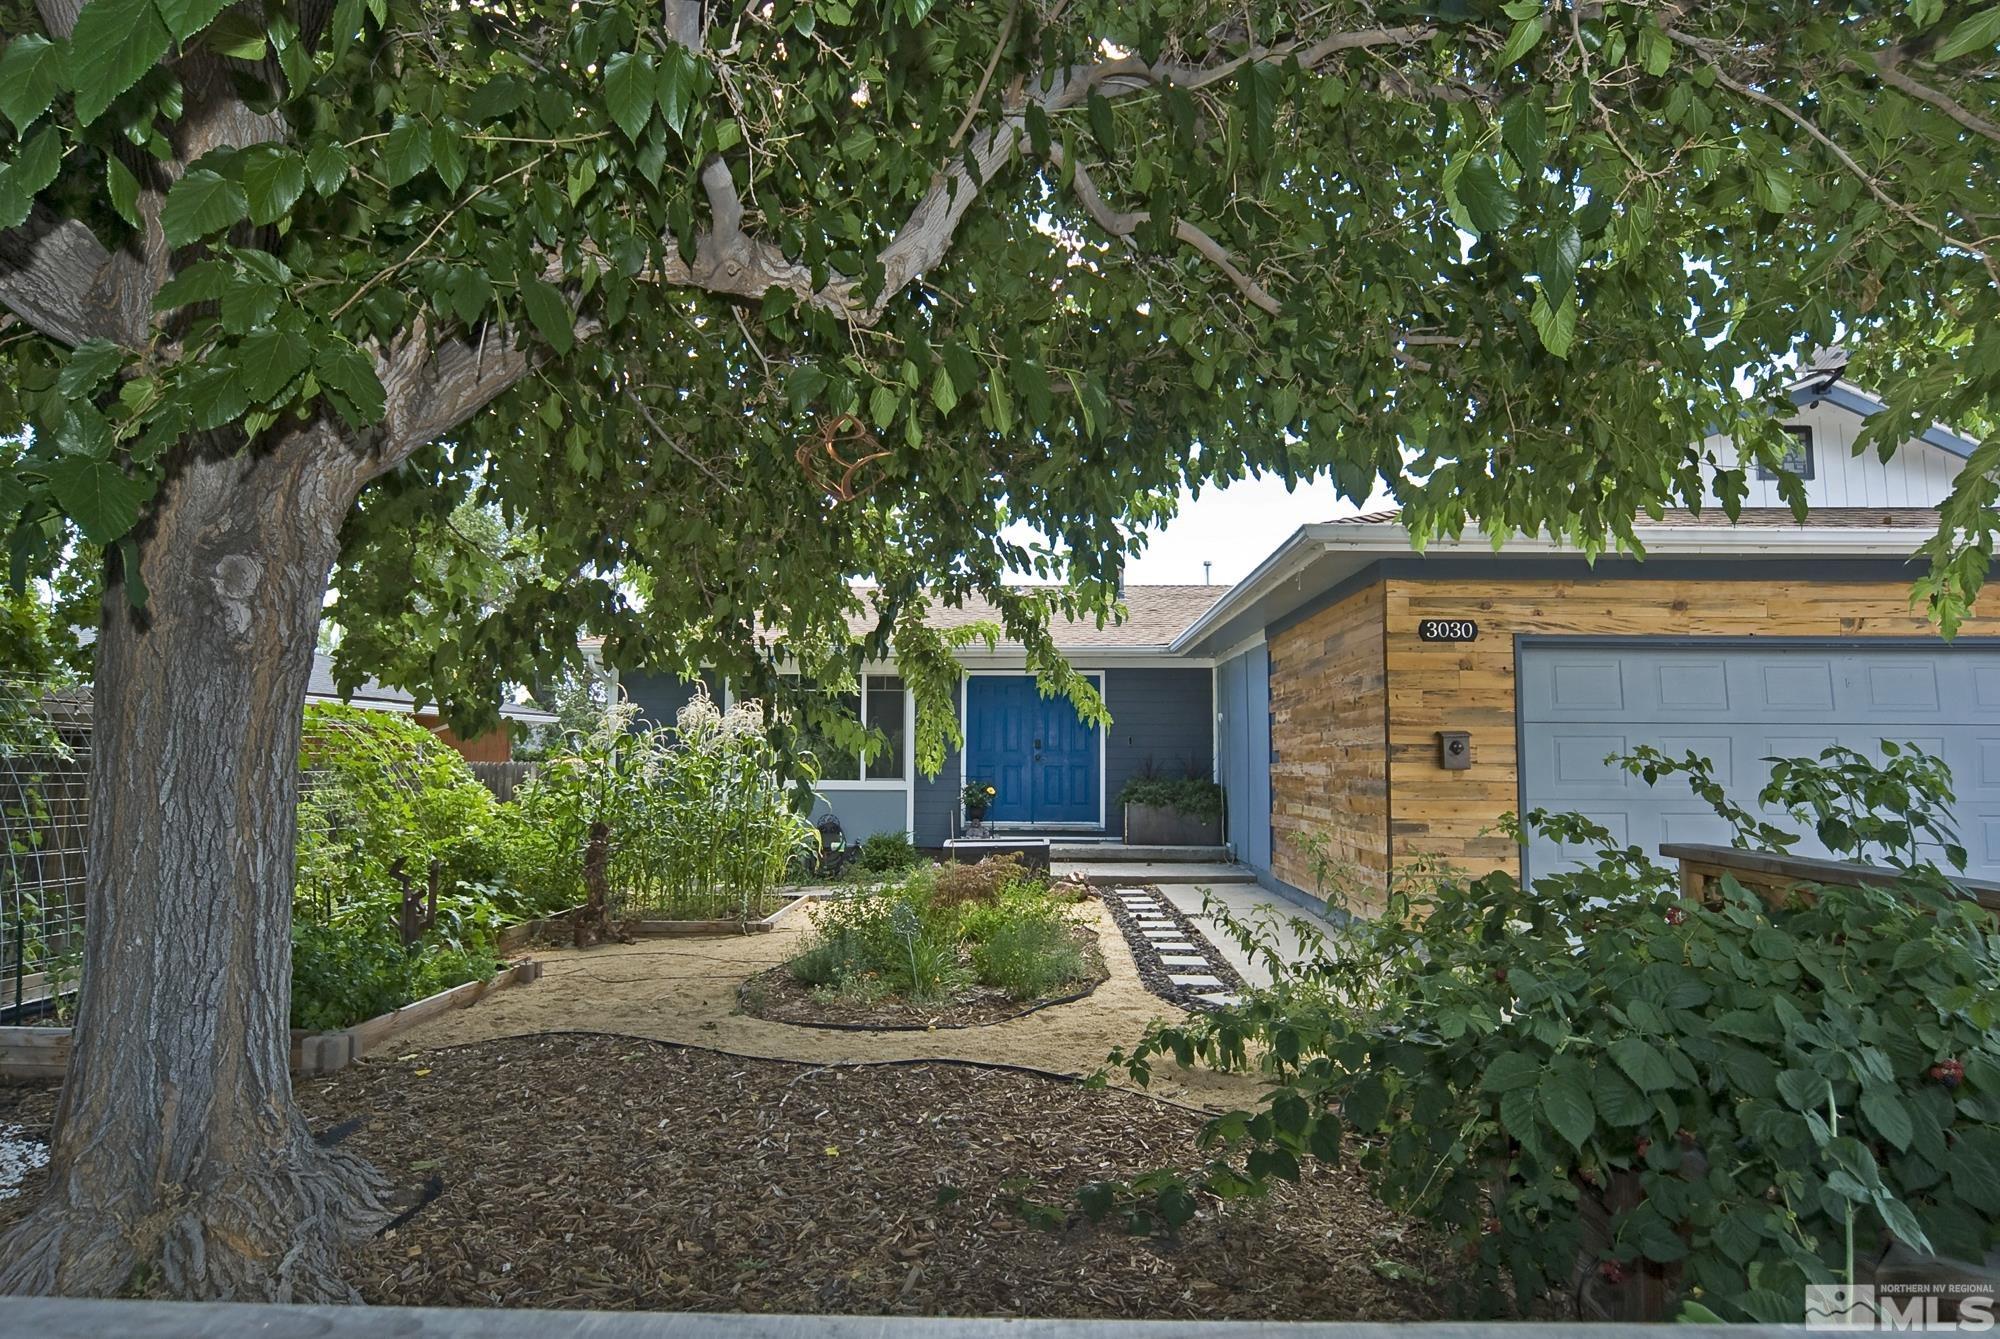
[1738, 706]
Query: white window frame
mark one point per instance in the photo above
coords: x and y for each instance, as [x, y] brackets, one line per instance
[864, 781]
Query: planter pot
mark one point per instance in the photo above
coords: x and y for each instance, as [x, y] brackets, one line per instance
[1157, 825]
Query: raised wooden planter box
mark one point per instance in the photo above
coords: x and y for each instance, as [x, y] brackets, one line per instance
[717, 927]
[1777, 876]
[1157, 825]
[43, 1052]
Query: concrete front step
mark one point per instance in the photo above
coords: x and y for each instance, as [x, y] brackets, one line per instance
[1110, 853]
[1119, 873]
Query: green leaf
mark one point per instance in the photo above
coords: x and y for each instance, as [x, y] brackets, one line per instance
[37, 164]
[1617, 1101]
[1567, 1105]
[550, 314]
[274, 177]
[1557, 259]
[629, 80]
[1656, 51]
[237, 35]
[943, 393]
[1885, 1111]
[1488, 202]
[350, 382]
[1642, 1063]
[89, 364]
[1555, 324]
[327, 166]
[497, 97]
[1523, 39]
[185, 18]
[1510, 1070]
[114, 44]
[201, 203]
[1802, 1089]
[102, 499]
[678, 73]
[123, 189]
[407, 151]
[269, 359]
[1980, 31]
[32, 72]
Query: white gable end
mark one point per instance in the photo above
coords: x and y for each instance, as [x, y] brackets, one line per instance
[1917, 475]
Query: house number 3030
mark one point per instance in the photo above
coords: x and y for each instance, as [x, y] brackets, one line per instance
[1447, 630]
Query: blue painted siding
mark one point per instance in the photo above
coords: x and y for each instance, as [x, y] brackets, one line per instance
[1162, 716]
[862, 813]
[1243, 691]
[661, 696]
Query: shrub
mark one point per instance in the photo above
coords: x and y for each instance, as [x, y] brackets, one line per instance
[1765, 1090]
[348, 972]
[1198, 797]
[958, 884]
[886, 853]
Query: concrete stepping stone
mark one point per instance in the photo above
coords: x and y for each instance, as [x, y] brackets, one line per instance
[1161, 934]
[1195, 979]
[1183, 960]
[1219, 997]
[1176, 946]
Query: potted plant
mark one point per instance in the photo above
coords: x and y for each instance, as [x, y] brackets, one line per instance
[977, 797]
[1171, 811]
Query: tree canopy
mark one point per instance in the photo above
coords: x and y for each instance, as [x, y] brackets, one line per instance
[737, 307]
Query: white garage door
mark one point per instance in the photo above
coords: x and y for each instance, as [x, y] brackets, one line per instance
[1737, 705]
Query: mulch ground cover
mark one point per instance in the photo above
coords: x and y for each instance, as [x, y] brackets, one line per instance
[1155, 975]
[610, 1172]
[777, 995]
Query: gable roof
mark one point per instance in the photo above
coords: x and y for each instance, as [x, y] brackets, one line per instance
[1154, 616]
[1823, 380]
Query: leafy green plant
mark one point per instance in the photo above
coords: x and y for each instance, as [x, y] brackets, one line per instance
[920, 942]
[1195, 796]
[1736, 1083]
[886, 853]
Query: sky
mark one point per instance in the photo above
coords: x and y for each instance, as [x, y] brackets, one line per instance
[1235, 528]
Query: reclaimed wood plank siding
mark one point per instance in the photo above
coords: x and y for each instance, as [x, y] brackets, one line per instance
[1329, 773]
[1440, 686]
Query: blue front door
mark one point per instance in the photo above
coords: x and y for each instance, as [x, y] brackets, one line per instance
[1033, 750]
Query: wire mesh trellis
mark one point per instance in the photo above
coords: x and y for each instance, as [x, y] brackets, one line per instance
[44, 824]
[45, 758]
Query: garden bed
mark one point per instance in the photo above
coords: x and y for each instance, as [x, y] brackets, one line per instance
[602, 1172]
[780, 997]
[43, 1052]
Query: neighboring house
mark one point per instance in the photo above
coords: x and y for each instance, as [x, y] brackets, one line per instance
[1327, 687]
[495, 745]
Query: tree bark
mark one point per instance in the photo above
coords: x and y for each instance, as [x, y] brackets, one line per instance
[178, 1148]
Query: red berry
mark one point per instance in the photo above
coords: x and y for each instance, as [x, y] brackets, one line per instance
[1948, 1072]
[1641, 1146]
[1500, 975]
[1611, 1272]
[1492, 1227]
[1676, 916]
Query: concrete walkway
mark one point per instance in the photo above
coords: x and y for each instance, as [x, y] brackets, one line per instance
[1247, 904]
[1152, 873]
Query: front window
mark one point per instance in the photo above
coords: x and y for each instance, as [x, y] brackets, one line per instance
[1798, 457]
[880, 706]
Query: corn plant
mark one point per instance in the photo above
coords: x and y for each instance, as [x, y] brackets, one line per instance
[700, 825]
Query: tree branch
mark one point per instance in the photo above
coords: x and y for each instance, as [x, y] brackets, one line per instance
[1886, 68]
[1125, 224]
[58, 279]
[1840, 154]
[430, 392]
[730, 262]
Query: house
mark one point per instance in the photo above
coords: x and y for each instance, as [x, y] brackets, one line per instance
[1396, 704]
[495, 745]
[1055, 774]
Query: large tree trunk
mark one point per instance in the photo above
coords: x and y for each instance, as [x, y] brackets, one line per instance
[177, 1144]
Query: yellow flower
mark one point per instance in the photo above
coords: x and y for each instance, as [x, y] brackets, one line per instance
[991, 791]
